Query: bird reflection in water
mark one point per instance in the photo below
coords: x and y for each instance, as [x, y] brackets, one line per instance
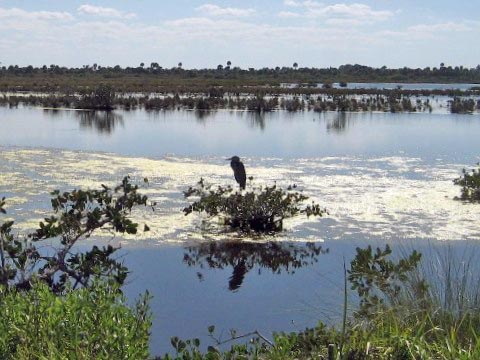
[103, 122]
[244, 256]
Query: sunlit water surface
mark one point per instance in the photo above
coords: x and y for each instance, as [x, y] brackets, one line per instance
[382, 177]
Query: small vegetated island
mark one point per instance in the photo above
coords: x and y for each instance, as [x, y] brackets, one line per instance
[259, 210]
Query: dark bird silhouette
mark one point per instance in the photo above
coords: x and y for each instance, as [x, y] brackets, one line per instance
[238, 171]
[239, 271]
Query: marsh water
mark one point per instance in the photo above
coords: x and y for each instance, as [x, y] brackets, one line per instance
[392, 86]
[384, 178]
[408, 86]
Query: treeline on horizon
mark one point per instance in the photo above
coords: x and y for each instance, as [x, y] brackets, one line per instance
[251, 76]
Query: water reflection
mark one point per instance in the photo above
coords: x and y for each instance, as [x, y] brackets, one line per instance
[202, 115]
[103, 122]
[339, 123]
[257, 120]
[244, 256]
[53, 113]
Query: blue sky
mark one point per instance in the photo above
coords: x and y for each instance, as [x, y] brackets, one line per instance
[248, 33]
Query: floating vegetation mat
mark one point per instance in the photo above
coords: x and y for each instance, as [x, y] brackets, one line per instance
[384, 198]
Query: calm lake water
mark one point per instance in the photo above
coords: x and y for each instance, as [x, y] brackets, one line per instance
[392, 86]
[408, 86]
[383, 177]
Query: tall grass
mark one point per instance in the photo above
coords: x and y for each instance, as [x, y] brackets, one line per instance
[435, 315]
[87, 323]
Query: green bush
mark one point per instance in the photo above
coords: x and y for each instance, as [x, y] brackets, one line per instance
[470, 183]
[261, 210]
[77, 215]
[87, 323]
[102, 97]
[462, 106]
[67, 304]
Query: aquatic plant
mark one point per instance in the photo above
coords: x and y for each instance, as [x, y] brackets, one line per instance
[258, 99]
[462, 106]
[470, 183]
[261, 210]
[99, 98]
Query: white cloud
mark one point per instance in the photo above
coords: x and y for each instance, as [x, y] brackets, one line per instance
[429, 28]
[15, 13]
[202, 40]
[306, 3]
[292, 3]
[338, 14]
[215, 10]
[104, 12]
[288, 14]
[353, 11]
[430, 31]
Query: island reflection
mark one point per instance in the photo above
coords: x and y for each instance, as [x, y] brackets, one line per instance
[103, 122]
[244, 256]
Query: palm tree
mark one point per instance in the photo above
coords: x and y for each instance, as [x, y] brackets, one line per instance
[180, 64]
[295, 65]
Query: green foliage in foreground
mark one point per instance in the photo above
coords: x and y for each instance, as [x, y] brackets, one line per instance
[398, 317]
[77, 215]
[260, 210]
[470, 183]
[87, 323]
[66, 304]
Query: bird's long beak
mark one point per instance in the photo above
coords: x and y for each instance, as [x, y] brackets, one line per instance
[230, 159]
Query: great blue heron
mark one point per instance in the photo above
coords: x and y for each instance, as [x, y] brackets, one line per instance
[238, 171]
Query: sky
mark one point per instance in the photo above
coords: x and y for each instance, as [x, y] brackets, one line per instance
[266, 33]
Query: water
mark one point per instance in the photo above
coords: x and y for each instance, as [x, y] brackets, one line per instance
[407, 86]
[222, 133]
[393, 86]
[383, 178]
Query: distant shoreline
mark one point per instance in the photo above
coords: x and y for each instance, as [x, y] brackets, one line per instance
[157, 79]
